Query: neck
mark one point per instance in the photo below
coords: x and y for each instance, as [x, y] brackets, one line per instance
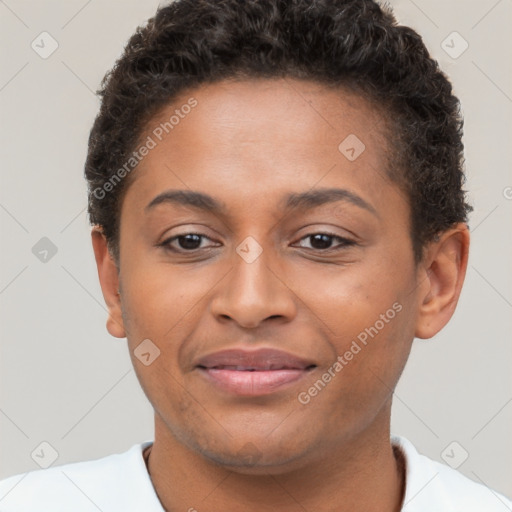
[364, 474]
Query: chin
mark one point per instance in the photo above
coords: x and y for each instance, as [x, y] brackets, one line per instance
[248, 459]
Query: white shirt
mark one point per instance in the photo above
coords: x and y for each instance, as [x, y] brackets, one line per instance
[121, 483]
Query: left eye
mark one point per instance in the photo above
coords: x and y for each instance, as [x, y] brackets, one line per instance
[323, 241]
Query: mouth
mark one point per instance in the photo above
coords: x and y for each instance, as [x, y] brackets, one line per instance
[253, 373]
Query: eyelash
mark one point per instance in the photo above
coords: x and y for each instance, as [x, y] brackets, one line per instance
[344, 242]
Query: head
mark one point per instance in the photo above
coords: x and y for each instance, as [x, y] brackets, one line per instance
[276, 174]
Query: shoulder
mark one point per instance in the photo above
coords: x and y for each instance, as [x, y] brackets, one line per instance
[431, 485]
[115, 482]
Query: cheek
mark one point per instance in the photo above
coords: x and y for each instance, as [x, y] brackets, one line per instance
[367, 318]
[160, 299]
[344, 300]
[359, 382]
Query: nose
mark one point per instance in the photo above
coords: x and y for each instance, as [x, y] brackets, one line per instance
[252, 292]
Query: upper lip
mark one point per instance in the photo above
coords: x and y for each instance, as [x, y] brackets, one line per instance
[261, 359]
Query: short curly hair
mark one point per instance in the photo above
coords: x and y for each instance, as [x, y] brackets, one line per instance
[352, 44]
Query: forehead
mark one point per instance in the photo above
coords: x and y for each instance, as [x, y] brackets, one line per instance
[274, 112]
[248, 138]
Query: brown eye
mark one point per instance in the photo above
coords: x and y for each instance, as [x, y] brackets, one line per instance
[324, 241]
[190, 241]
[187, 242]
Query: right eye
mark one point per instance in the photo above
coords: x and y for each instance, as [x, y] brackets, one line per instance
[187, 242]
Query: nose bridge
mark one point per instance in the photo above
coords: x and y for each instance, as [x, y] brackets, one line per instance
[252, 291]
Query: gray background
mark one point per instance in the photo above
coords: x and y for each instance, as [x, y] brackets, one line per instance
[66, 381]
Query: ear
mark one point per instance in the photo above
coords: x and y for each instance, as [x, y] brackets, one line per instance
[441, 275]
[108, 274]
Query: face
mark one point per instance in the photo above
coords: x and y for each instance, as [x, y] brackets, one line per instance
[283, 299]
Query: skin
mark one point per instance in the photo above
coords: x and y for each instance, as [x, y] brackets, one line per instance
[249, 144]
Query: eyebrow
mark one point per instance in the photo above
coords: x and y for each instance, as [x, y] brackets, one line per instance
[187, 198]
[301, 201]
[308, 200]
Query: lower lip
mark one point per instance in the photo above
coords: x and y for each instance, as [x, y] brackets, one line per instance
[252, 383]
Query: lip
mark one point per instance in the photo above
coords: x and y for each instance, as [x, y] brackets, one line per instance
[255, 372]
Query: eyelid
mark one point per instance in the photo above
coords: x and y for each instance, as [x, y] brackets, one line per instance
[188, 228]
[330, 229]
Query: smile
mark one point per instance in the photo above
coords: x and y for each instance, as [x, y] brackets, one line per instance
[253, 373]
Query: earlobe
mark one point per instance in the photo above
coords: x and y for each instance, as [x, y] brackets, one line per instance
[108, 274]
[442, 275]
